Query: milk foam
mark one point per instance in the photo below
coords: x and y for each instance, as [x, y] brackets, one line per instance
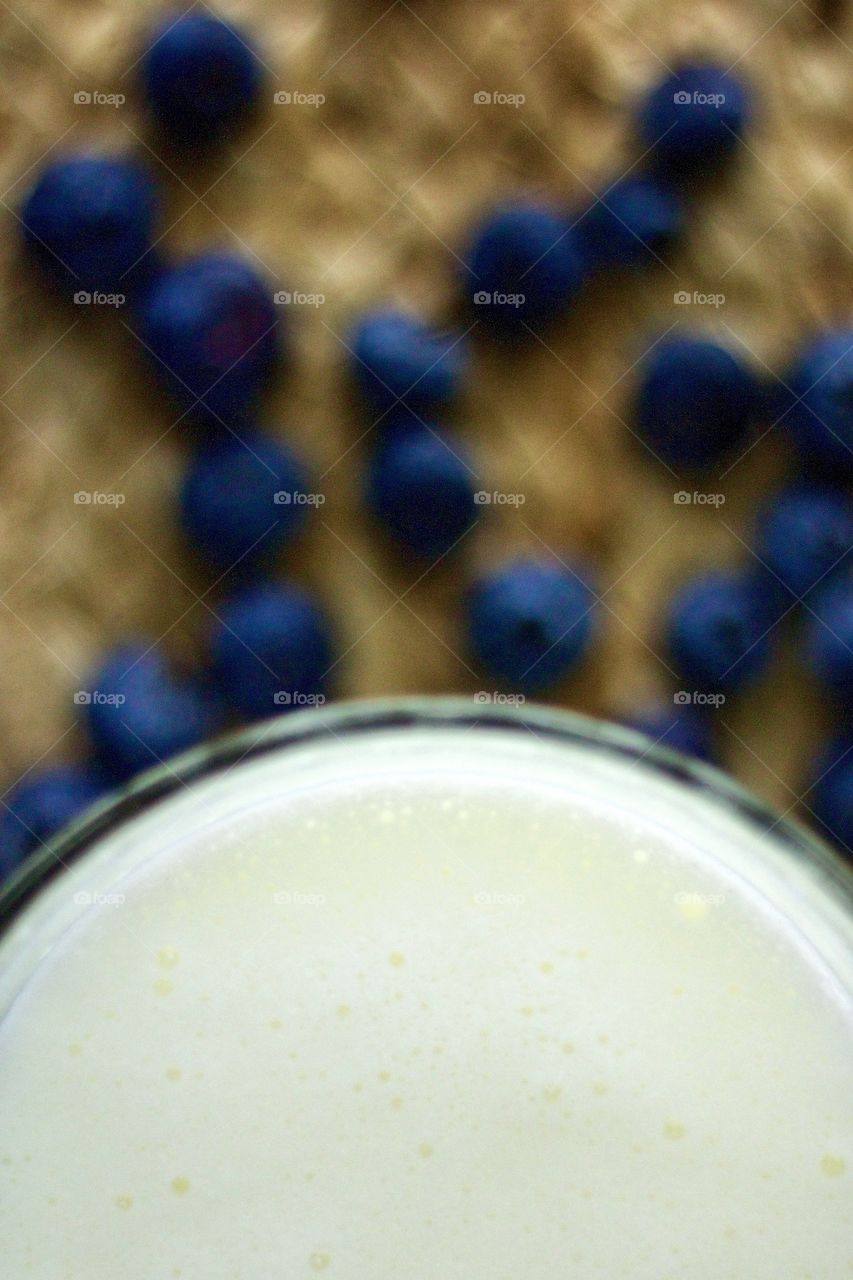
[438, 1006]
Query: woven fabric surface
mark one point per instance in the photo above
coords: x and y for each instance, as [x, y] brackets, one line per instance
[367, 197]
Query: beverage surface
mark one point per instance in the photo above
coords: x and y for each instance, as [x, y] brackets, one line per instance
[434, 1019]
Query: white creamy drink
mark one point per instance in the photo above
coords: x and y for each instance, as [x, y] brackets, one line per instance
[430, 1003]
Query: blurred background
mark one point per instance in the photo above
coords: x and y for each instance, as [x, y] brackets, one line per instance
[360, 190]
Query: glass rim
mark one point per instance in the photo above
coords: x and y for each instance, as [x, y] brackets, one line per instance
[356, 716]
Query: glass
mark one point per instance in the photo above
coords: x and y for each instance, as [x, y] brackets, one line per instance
[502, 910]
[788, 843]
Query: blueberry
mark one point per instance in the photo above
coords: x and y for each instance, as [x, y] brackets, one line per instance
[633, 223]
[829, 640]
[693, 118]
[820, 417]
[696, 401]
[139, 712]
[200, 77]
[804, 534]
[39, 806]
[89, 219]
[211, 328]
[398, 358]
[680, 728]
[530, 622]
[270, 649]
[831, 798]
[716, 632]
[420, 484]
[240, 500]
[524, 266]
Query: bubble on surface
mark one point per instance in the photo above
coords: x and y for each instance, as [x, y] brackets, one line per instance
[674, 1129]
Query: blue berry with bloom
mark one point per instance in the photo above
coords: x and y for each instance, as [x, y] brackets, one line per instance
[211, 329]
[829, 641]
[530, 622]
[693, 119]
[242, 498]
[633, 223]
[39, 806]
[420, 485]
[139, 711]
[804, 534]
[270, 649]
[819, 416]
[831, 796]
[524, 266]
[679, 727]
[717, 632]
[200, 77]
[696, 401]
[396, 358]
[89, 220]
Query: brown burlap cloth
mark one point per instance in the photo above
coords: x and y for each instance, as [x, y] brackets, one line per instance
[367, 198]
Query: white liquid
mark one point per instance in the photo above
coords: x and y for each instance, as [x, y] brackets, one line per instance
[443, 1005]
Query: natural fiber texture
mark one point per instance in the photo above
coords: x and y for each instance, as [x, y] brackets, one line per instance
[368, 197]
